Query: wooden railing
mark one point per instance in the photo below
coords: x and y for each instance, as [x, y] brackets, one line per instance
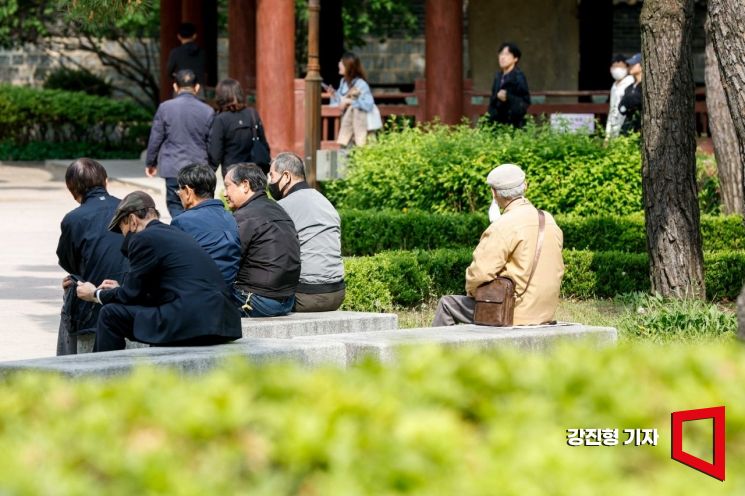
[410, 105]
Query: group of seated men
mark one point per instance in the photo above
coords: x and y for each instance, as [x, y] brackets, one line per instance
[189, 283]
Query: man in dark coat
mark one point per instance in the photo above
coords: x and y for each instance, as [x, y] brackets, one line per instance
[270, 251]
[86, 248]
[510, 97]
[631, 102]
[173, 294]
[179, 135]
[188, 55]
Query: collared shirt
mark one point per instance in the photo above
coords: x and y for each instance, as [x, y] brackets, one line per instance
[507, 249]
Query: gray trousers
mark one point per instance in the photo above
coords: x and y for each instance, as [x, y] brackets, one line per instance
[321, 302]
[454, 309]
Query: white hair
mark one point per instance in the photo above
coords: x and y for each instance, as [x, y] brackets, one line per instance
[512, 193]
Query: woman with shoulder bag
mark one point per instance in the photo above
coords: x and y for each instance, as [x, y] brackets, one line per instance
[356, 102]
[237, 133]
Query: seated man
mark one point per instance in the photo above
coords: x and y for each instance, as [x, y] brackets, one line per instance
[318, 225]
[86, 248]
[507, 249]
[173, 294]
[206, 220]
[270, 252]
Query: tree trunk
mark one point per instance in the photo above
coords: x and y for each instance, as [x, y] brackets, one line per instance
[727, 22]
[726, 148]
[669, 150]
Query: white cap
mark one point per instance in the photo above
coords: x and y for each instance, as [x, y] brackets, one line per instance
[506, 176]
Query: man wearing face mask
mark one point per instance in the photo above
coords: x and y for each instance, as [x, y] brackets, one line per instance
[318, 225]
[173, 293]
[619, 70]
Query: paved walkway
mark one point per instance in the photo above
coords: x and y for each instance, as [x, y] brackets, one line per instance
[33, 200]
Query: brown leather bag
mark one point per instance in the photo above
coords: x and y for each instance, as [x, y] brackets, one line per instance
[495, 300]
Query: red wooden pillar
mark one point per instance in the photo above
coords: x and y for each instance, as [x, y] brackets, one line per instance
[444, 60]
[170, 18]
[275, 70]
[242, 43]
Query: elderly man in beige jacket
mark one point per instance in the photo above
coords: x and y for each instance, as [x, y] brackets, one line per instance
[507, 249]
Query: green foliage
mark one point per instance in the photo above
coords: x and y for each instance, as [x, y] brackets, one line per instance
[83, 80]
[442, 169]
[663, 320]
[438, 421]
[102, 12]
[32, 120]
[37, 151]
[365, 232]
[395, 279]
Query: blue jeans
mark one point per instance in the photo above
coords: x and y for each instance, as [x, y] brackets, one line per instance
[173, 202]
[261, 306]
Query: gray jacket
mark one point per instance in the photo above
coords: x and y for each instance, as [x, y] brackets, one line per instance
[179, 135]
[319, 229]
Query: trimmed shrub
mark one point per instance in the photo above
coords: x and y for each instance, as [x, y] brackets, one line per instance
[394, 279]
[67, 79]
[437, 421]
[365, 232]
[442, 169]
[32, 119]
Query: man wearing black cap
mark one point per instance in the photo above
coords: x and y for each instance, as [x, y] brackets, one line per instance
[178, 137]
[630, 105]
[174, 294]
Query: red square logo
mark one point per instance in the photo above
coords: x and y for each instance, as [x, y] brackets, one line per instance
[715, 469]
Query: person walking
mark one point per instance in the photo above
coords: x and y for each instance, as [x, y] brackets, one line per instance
[179, 136]
[510, 97]
[619, 70]
[355, 100]
[630, 105]
[237, 133]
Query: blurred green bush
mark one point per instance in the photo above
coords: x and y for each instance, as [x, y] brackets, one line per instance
[443, 169]
[366, 232]
[395, 279]
[68, 79]
[36, 123]
[438, 421]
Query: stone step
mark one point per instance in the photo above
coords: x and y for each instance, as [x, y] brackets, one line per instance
[340, 349]
[383, 345]
[294, 325]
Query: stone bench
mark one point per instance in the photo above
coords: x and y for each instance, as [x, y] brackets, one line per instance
[293, 325]
[343, 349]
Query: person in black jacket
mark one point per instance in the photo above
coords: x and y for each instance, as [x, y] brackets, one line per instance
[174, 294]
[237, 134]
[86, 248]
[510, 97]
[270, 251]
[631, 102]
[188, 55]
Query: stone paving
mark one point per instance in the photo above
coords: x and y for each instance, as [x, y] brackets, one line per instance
[33, 200]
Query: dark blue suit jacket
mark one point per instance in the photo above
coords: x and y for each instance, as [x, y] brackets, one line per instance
[175, 288]
[90, 251]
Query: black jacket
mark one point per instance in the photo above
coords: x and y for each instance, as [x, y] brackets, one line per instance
[631, 106]
[174, 288]
[90, 251]
[518, 98]
[270, 250]
[231, 138]
[188, 56]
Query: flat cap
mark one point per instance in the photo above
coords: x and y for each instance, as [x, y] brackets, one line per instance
[634, 59]
[506, 176]
[137, 200]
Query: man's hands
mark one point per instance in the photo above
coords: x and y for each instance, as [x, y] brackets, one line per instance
[151, 171]
[502, 95]
[86, 291]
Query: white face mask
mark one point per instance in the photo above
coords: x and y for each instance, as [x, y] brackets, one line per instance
[619, 73]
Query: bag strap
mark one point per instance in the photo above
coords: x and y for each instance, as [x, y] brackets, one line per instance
[254, 123]
[538, 247]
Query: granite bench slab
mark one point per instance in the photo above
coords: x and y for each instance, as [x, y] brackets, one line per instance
[293, 325]
[383, 345]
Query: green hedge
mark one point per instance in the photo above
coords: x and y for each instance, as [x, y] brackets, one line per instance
[442, 169]
[436, 422]
[388, 280]
[366, 232]
[35, 120]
